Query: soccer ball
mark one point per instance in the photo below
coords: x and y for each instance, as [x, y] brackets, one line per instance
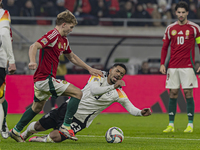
[114, 135]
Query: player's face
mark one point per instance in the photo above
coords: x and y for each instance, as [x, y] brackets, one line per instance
[67, 28]
[115, 74]
[181, 14]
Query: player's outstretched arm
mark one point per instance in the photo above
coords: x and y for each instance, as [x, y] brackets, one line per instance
[77, 61]
[146, 112]
[32, 54]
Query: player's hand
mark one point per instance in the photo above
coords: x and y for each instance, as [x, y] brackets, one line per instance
[119, 83]
[32, 65]
[95, 72]
[11, 68]
[163, 69]
[146, 112]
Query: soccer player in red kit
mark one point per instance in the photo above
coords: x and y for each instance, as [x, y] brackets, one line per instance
[51, 46]
[182, 35]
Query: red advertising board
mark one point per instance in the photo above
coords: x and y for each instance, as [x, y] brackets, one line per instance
[143, 91]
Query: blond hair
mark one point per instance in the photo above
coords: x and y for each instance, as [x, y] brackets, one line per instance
[66, 17]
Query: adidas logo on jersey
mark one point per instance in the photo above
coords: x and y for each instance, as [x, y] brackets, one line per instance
[180, 32]
[191, 84]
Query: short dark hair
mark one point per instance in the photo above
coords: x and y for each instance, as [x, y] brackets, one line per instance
[182, 4]
[121, 65]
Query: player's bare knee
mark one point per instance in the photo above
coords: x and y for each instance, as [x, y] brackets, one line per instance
[188, 93]
[78, 94]
[37, 106]
[38, 126]
[37, 109]
[173, 93]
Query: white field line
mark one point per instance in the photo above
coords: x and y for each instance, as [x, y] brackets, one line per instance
[149, 138]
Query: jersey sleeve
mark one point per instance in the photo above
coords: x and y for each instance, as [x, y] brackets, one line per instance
[125, 102]
[7, 44]
[49, 39]
[95, 86]
[166, 42]
[6, 18]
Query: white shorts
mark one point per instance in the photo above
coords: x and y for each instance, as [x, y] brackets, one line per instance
[184, 76]
[49, 87]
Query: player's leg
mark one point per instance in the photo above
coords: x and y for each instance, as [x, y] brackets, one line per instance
[50, 138]
[57, 136]
[29, 114]
[1, 113]
[41, 94]
[64, 88]
[53, 119]
[5, 130]
[2, 98]
[72, 106]
[190, 109]
[31, 129]
[172, 83]
[189, 81]
[172, 105]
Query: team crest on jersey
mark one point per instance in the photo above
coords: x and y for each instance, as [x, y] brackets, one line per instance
[44, 41]
[64, 82]
[59, 45]
[187, 32]
[173, 32]
[96, 79]
[64, 45]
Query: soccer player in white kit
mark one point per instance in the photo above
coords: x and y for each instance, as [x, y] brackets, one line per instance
[6, 55]
[182, 35]
[98, 94]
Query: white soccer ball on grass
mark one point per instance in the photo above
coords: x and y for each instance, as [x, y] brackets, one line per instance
[114, 135]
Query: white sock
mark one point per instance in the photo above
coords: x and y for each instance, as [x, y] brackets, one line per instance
[48, 139]
[31, 128]
[190, 124]
[1, 116]
[171, 124]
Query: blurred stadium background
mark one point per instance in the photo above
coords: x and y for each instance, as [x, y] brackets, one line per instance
[109, 31]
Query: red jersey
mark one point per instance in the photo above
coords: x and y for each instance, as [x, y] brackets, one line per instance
[182, 48]
[53, 45]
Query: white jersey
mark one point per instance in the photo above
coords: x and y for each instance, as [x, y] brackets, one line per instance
[6, 51]
[98, 95]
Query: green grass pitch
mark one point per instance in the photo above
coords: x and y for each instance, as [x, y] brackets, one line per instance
[141, 133]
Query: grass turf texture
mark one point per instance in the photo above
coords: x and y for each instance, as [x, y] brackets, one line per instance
[141, 133]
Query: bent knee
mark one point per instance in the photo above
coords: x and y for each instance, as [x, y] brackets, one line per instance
[38, 126]
[78, 94]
